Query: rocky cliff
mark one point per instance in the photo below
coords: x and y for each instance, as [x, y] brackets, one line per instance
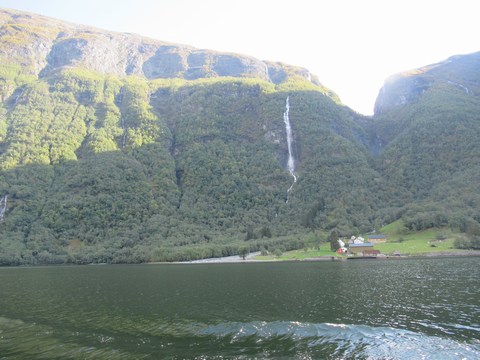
[42, 45]
[461, 71]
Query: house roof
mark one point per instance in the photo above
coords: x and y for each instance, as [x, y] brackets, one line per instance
[360, 245]
[376, 236]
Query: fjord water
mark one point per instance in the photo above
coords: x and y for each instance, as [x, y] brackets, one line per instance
[398, 309]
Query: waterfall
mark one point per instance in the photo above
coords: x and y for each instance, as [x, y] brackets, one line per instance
[267, 74]
[291, 160]
[3, 207]
[124, 135]
[464, 88]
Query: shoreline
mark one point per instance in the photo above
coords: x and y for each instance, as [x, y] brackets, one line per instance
[236, 259]
[250, 258]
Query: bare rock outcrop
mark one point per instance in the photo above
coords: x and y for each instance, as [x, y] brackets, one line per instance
[42, 46]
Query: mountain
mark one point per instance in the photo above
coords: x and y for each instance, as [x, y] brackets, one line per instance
[43, 46]
[119, 148]
[461, 71]
[426, 124]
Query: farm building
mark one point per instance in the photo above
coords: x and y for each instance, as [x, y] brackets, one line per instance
[374, 253]
[377, 239]
[359, 249]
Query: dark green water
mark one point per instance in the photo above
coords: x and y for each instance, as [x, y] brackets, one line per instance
[397, 309]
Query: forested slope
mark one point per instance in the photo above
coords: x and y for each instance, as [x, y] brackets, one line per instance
[108, 169]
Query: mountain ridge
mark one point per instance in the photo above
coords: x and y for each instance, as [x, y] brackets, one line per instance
[51, 47]
[406, 87]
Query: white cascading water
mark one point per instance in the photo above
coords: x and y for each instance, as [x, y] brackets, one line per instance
[3, 207]
[291, 160]
[267, 74]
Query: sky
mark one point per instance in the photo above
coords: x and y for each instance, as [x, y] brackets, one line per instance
[351, 45]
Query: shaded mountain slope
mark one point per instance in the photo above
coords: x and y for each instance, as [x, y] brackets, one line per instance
[460, 71]
[429, 145]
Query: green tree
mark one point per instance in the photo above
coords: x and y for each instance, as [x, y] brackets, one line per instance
[333, 239]
[243, 251]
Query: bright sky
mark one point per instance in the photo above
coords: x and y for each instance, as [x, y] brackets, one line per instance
[351, 45]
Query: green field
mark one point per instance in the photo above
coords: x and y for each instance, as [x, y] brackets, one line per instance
[398, 241]
[302, 254]
[418, 242]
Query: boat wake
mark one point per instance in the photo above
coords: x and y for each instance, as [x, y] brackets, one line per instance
[342, 341]
[151, 339]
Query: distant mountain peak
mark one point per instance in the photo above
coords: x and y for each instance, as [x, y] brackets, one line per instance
[406, 87]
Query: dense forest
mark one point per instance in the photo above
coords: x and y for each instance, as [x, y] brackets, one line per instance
[182, 154]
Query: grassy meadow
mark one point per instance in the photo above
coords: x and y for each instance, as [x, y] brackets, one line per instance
[399, 240]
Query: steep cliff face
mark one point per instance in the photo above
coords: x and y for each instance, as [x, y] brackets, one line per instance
[43, 46]
[461, 71]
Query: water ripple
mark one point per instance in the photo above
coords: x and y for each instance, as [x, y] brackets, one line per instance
[19, 339]
[357, 341]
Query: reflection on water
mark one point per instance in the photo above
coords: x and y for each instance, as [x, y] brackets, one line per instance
[364, 309]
